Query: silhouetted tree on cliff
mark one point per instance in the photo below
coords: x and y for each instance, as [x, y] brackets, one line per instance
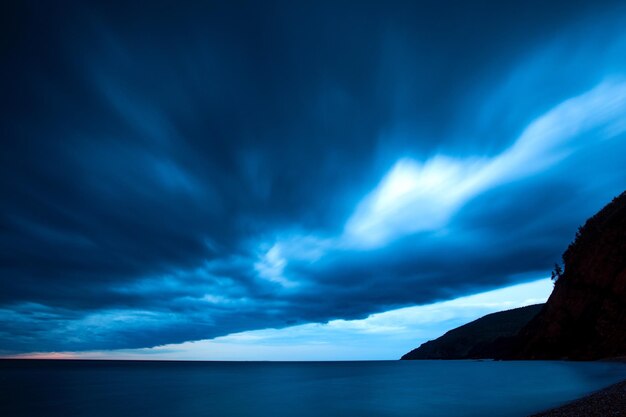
[557, 272]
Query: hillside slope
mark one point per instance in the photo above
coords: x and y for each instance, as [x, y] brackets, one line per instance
[472, 339]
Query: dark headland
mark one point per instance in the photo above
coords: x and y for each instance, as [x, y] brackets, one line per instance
[584, 318]
[477, 339]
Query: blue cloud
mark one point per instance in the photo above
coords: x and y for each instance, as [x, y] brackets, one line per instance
[211, 170]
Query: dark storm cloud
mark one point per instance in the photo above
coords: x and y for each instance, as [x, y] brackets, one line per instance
[176, 172]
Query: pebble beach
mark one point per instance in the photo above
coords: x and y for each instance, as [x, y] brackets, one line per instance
[609, 402]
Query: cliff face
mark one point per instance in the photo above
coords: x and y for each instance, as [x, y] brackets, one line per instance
[585, 317]
[475, 339]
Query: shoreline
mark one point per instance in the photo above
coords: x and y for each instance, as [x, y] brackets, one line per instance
[610, 401]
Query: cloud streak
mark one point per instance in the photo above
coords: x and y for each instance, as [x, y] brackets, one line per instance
[422, 196]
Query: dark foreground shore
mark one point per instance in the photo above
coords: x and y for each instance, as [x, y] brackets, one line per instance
[610, 402]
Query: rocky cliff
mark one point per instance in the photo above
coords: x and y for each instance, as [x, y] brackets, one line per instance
[585, 316]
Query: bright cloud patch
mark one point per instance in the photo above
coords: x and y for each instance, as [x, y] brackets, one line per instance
[411, 197]
[421, 196]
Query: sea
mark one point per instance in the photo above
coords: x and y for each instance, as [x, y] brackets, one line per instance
[50, 388]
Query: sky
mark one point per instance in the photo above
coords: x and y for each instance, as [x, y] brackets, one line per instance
[293, 181]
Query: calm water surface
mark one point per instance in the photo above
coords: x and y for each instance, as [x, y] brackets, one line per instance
[393, 388]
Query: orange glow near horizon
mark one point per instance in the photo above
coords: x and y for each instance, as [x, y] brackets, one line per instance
[44, 355]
